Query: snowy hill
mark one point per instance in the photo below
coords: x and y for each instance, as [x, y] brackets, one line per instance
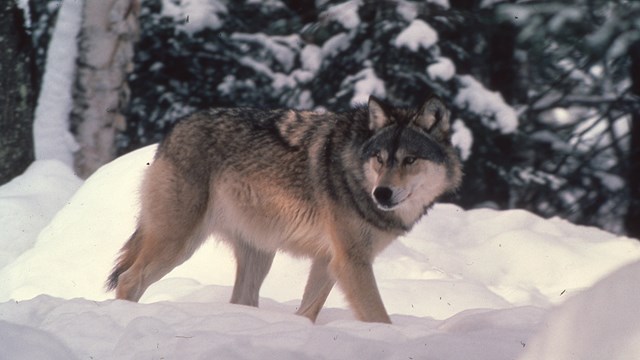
[479, 284]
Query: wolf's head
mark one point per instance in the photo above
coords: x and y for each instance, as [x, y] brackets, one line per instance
[409, 160]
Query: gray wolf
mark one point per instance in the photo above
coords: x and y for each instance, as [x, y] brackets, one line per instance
[334, 187]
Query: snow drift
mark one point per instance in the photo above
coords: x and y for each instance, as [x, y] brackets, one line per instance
[463, 284]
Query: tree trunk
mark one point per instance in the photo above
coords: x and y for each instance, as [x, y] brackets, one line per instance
[100, 92]
[503, 70]
[16, 102]
[632, 221]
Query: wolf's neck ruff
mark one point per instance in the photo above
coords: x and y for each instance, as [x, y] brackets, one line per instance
[335, 187]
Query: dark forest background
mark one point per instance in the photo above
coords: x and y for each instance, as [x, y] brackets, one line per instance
[569, 70]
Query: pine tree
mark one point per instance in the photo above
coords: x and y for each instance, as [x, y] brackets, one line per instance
[16, 86]
[559, 149]
[576, 74]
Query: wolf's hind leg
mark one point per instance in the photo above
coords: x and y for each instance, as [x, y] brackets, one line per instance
[253, 265]
[317, 290]
[159, 255]
[170, 229]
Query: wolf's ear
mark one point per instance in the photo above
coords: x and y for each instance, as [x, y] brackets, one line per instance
[434, 116]
[377, 116]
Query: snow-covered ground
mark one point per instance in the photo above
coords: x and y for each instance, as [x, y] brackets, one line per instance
[479, 284]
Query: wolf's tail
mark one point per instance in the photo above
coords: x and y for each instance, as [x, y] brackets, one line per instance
[127, 257]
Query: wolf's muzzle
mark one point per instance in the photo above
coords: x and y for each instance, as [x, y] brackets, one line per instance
[384, 197]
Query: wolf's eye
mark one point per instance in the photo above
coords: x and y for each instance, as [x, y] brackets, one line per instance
[409, 160]
[379, 158]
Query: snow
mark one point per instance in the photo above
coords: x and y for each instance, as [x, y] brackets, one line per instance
[311, 58]
[462, 139]
[611, 181]
[346, 14]
[195, 15]
[600, 323]
[25, 342]
[408, 10]
[561, 116]
[52, 139]
[366, 83]
[593, 131]
[443, 69]
[41, 191]
[478, 99]
[481, 284]
[282, 48]
[279, 80]
[24, 6]
[335, 45]
[417, 35]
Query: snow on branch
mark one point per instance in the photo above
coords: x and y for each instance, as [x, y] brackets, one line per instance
[195, 15]
[417, 35]
[282, 48]
[443, 69]
[346, 14]
[479, 100]
[365, 83]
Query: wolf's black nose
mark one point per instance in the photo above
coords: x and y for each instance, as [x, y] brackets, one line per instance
[383, 195]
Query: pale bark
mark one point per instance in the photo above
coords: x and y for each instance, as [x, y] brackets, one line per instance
[100, 94]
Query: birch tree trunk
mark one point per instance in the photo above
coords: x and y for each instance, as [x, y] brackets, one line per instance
[16, 87]
[100, 93]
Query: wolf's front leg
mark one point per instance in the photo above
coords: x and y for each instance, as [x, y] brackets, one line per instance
[252, 268]
[355, 278]
[318, 287]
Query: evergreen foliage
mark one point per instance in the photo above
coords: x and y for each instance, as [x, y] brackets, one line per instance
[540, 90]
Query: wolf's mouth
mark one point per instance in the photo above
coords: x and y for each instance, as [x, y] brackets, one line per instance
[387, 207]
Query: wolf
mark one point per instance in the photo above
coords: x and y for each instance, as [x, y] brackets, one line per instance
[333, 187]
